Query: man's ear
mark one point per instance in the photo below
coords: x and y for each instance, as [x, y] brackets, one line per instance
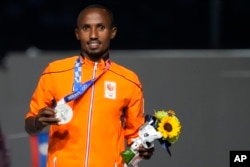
[77, 33]
[113, 32]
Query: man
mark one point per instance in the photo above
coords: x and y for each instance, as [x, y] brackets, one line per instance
[92, 104]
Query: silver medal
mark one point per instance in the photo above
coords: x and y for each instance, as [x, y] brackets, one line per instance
[64, 112]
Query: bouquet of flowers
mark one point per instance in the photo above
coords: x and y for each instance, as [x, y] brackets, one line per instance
[163, 126]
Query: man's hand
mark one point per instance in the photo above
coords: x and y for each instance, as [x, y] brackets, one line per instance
[46, 116]
[145, 153]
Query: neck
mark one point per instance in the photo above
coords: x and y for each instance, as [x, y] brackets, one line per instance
[95, 58]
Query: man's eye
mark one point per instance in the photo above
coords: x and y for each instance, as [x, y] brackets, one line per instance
[85, 28]
[101, 28]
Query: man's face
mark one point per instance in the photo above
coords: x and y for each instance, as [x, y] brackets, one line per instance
[94, 32]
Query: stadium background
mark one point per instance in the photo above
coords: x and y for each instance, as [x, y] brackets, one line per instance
[192, 56]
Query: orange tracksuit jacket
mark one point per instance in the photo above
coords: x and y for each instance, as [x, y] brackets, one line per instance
[109, 112]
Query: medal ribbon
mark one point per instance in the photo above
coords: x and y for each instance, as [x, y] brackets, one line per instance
[78, 88]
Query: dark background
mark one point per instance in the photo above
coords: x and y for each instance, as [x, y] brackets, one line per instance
[176, 24]
[208, 89]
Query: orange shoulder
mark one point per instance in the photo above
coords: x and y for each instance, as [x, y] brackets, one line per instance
[126, 73]
[61, 65]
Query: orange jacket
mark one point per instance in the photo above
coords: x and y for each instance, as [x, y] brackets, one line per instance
[107, 115]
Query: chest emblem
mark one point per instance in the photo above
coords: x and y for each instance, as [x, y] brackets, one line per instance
[110, 90]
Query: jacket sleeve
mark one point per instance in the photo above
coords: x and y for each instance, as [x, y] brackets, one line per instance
[134, 114]
[42, 95]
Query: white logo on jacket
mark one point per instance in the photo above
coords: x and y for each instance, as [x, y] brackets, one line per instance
[110, 89]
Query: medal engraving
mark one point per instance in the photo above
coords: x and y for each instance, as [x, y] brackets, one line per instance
[64, 113]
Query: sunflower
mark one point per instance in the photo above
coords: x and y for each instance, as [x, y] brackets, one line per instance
[170, 128]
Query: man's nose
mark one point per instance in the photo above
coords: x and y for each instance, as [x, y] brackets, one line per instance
[93, 34]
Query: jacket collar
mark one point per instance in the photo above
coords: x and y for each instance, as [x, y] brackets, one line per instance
[105, 57]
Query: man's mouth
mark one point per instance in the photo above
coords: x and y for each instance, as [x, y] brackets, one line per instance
[93, 44]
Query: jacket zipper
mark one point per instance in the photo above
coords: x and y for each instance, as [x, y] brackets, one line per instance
[90, 116]
[54, 162]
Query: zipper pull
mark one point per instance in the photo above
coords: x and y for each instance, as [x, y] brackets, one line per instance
[95, 66]
[94, 70]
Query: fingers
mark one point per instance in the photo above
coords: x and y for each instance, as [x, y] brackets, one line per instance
[145, 153]
[46, 116]
[48, 121]
[47, 112]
